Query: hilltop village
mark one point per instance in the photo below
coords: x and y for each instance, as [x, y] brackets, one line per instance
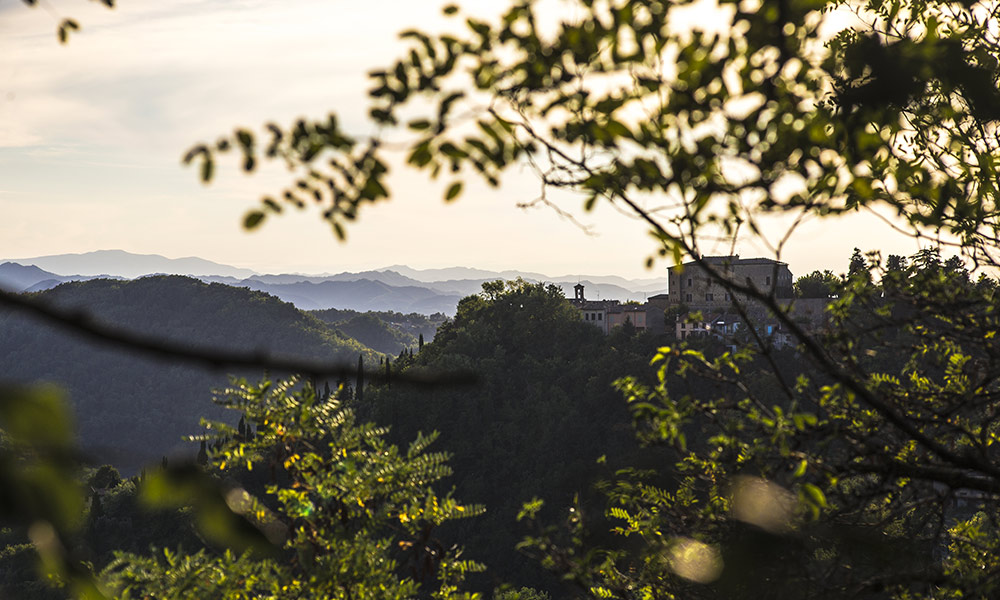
[692, 291]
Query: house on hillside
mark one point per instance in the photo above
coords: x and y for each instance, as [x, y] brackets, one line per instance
[728, 315]
[722, 313]
[608, 314]
[692, 286]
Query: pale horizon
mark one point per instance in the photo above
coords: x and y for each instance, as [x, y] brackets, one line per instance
[91, 136]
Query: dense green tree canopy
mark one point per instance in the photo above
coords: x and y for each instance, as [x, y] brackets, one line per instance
[541, 416]
[817, 285]
[346, 515]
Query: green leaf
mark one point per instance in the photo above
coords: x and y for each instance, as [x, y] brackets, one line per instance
[207, 168]
[245, 138]
[65, 27]
[213, 503]
[36, 416]
[271, 204]
[253, 219]
[453, 191]
[530, 509]
[38, 466]
[814, 495]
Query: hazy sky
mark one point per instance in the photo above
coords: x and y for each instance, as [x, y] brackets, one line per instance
[91, 135]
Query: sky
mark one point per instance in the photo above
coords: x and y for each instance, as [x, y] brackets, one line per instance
[92, 132]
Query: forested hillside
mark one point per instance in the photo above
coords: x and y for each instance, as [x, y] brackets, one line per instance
[541, 416]
[385, 331]
[132, 409]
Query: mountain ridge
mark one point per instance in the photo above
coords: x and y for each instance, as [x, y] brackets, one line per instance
[399, 288]
[128, 264]
[127, 401]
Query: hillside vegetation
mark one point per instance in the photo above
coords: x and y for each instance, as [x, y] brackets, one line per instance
[132, 409]
[385, 331]
[538, 423]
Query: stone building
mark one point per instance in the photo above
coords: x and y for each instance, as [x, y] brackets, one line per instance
[608, 314]
[694, 292]
[692, 286]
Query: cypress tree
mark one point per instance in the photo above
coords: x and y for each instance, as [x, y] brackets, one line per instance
[326, 391]
[359, 388]
[203, 454]
[96, 510]
[242, 427]
[387, 372]
[342, 387]
[420, 343]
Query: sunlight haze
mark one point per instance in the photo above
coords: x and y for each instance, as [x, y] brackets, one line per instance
[92, 132]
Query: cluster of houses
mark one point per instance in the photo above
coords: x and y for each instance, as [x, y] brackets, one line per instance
[608, 314]
[693, 291]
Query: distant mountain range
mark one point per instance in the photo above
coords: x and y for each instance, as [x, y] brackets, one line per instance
[653, 285]
[398, 288]
[129, 265]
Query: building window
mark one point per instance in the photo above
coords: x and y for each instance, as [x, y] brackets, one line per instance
[768, 280]
[709, 297]
[600, 317]
[689, 282]
[684, 325]
[586, 316]
[688, 297]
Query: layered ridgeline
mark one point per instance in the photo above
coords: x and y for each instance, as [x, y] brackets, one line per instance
[396, 289]
[132, 409]
[384, 331]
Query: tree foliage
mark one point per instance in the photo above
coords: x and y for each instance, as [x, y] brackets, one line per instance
[818, 284]
[875, 476]
[344, 514]
[541, 416]
[760, 112]
[860, 462]
[66, 25]
[766, 113]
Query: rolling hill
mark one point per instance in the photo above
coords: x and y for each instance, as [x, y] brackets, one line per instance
[132, 409]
